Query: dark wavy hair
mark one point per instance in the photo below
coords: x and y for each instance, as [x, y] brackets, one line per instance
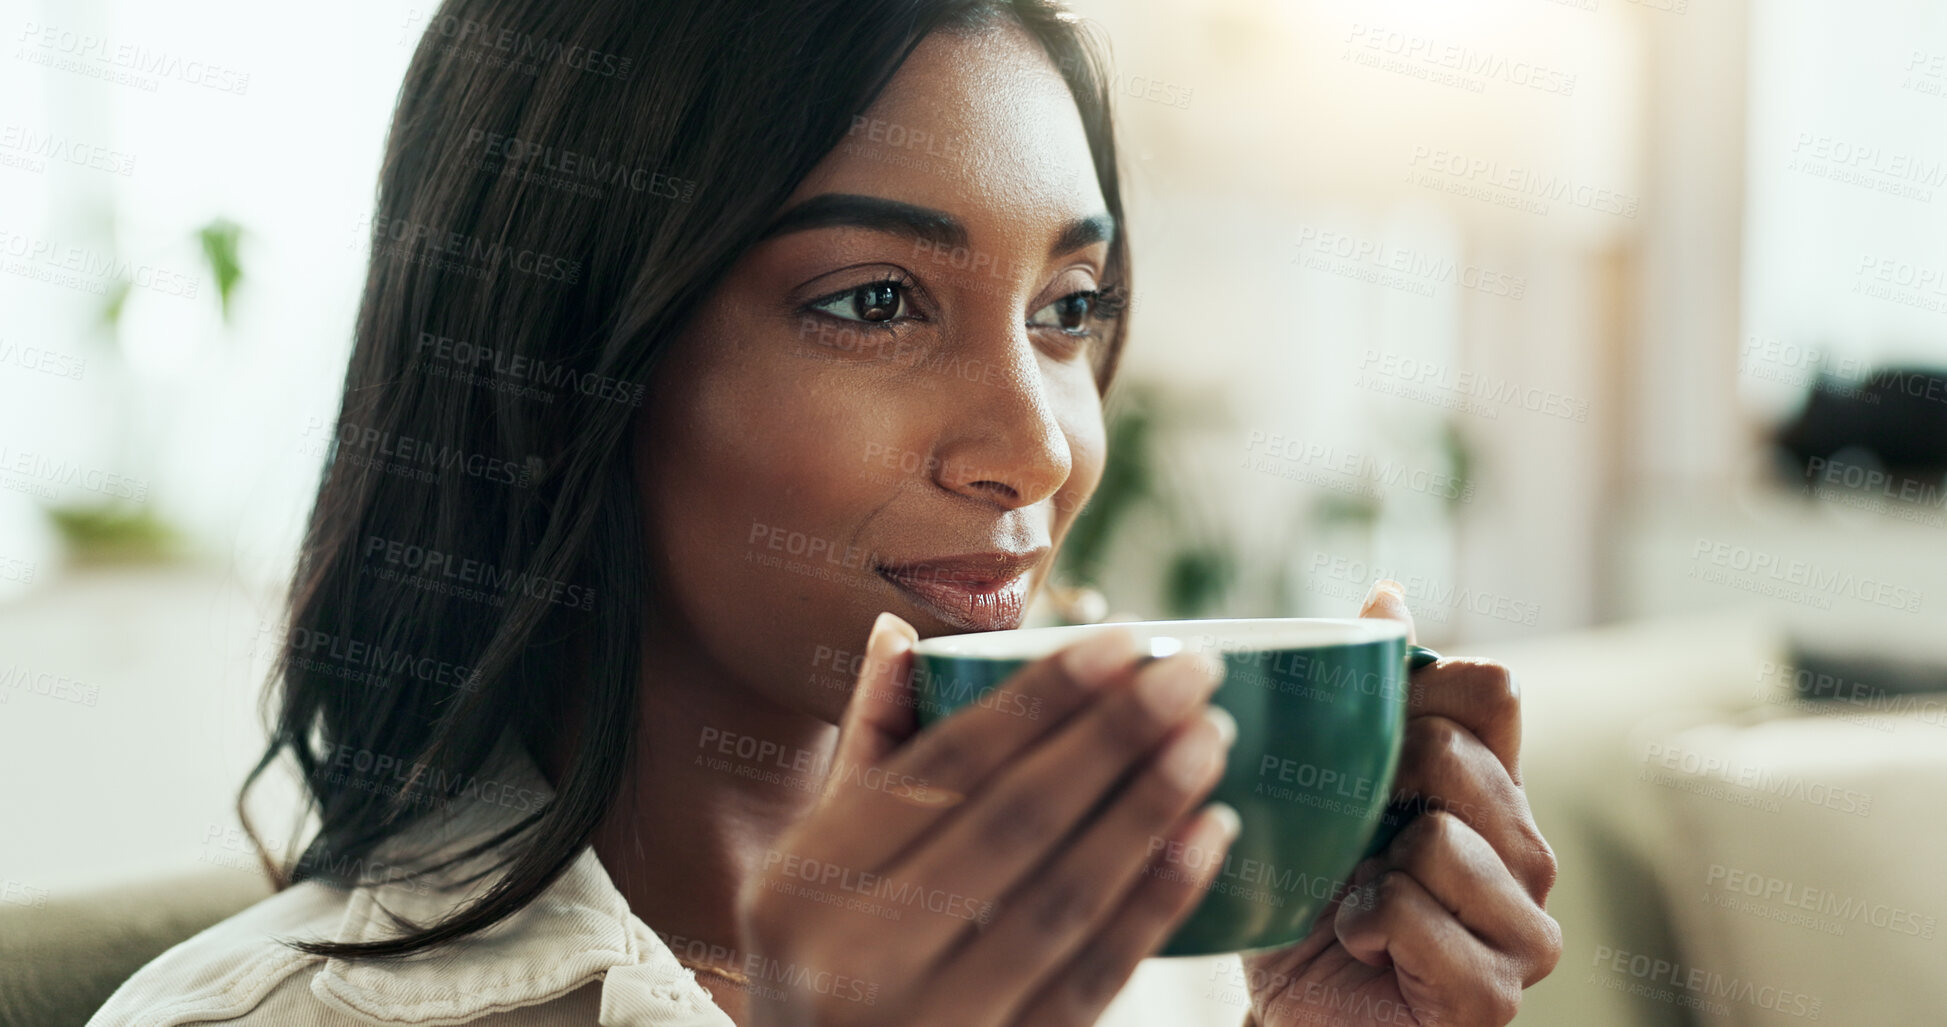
[563, 183]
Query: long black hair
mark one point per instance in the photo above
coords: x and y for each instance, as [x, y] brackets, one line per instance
[563, 183]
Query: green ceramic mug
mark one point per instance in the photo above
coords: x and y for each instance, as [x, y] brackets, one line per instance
[1320, 706]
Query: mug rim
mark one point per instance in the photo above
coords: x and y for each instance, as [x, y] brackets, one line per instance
[1164, 637]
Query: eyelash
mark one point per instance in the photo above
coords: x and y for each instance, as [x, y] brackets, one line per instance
[1105, 306]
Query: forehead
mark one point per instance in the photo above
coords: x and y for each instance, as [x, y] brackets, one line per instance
[980, 125]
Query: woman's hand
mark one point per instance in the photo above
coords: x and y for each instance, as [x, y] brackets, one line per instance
[1453, 928]
[1011, 864]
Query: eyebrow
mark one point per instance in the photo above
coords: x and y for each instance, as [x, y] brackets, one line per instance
[850, 210]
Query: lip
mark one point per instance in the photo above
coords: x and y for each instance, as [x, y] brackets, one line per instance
[972, 592]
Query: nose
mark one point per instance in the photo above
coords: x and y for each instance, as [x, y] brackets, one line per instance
[1002, 441]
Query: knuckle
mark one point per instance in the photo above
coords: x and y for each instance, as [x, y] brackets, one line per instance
[1549, 949]
[1387, 890]
[946, 756]
[1430, 838]
[1437, 744]
[1493, 685]
[1502, 1002]
[1127, 726]
[1065, 905]
[1159, 799]
[1025, 819]
[1096, 975]
[1540, 865]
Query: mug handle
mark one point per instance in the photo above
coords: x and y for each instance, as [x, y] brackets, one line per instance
[1397, 814]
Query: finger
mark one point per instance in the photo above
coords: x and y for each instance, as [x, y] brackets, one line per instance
[918, 784]
[1166, 891]
[1445, 973]
[1006, 831]
[1042, 922]
[1465, 875]
[1387, 599]
[879, 715]
[1445, 766]
[1481, 696]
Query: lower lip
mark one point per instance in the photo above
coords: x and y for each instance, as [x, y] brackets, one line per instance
[970, 606]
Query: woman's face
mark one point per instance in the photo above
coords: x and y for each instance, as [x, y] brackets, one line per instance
[890, 403]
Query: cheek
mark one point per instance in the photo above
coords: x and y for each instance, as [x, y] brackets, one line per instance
[1088, 453]
[760, 494]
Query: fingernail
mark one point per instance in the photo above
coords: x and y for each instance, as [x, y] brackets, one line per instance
[1187, 758]
[1228, 822]
[1225, 723]
[1380, 585]
[886, 639]
[1091, 661]
[1168, 686]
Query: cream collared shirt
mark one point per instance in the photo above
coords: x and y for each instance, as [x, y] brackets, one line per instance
[576, 955]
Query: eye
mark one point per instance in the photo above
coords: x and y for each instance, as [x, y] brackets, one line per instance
[872, 303]
[1075, 313]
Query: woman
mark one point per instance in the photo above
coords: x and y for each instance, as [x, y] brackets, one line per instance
[699, 338]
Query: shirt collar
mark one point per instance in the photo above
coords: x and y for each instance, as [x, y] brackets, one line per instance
[579, 929]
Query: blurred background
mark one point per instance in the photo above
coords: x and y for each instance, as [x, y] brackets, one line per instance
[1616, 330]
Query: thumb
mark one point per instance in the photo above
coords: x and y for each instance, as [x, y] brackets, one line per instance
[1388, 599]
[880, 714]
